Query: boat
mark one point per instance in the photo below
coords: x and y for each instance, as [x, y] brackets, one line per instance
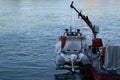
[95, 61]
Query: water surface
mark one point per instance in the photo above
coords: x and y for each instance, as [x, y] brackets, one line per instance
[29, 30]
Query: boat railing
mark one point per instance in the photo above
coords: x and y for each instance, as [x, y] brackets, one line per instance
[73, 37]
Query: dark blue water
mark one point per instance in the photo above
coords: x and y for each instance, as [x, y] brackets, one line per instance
[29, 30]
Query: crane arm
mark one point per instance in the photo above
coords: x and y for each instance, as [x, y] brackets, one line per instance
[85, 18]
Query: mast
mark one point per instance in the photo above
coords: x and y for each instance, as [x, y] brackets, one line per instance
[86, 20]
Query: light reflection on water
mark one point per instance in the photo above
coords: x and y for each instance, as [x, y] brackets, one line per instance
[30, 28]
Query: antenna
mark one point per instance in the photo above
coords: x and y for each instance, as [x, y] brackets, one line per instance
[71, 20]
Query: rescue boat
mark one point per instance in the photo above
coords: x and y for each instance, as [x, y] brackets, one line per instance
[95, 61]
